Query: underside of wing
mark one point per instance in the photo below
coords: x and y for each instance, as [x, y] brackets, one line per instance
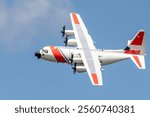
[85, 44]
[82, 36]
[93, 67]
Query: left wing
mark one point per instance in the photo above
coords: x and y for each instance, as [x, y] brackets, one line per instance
[85, 44]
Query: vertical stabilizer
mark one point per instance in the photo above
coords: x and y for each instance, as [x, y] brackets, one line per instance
[137, 44]
[136, 49]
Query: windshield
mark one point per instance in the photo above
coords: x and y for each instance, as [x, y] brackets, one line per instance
[45, 50]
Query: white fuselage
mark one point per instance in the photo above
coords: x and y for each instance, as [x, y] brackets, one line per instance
[72, 55]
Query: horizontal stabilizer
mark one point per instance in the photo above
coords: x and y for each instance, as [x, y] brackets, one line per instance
[139, 61]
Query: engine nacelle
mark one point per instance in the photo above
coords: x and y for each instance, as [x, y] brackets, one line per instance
[72, 42]
[78, 60]
[69, 32]
[80, 69]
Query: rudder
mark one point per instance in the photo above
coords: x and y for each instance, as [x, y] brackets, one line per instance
[137, 44]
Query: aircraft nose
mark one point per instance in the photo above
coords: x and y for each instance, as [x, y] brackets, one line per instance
[38, 55]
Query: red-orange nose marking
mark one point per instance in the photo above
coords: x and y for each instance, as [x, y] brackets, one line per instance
[57, 54]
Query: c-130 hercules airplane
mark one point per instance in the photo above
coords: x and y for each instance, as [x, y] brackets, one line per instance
[83, 55]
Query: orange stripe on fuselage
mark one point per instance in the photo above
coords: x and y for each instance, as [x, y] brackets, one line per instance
[137, 61]
[94, 76]
[75, 18]
[57, 54]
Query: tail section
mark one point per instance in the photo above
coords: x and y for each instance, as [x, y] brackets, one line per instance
[136, 49]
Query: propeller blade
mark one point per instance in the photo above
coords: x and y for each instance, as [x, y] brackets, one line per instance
[63, 31]
[74, 68]
[72, 55]
[65, 43]
[66, 40]
[74, 71]
[71, 59]
[64, 27]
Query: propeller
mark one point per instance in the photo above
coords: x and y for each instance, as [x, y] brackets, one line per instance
[74, 68]
[66, 41]
[63, 31]
[71, 59]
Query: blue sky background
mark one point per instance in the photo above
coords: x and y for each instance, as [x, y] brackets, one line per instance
[28, 25]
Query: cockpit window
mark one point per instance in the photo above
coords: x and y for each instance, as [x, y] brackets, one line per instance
[45, 50]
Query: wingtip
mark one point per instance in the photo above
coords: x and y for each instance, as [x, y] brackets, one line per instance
[75, 18]
[73, 13]
[98, 84]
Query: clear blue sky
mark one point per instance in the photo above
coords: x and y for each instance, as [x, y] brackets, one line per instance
[26, 26]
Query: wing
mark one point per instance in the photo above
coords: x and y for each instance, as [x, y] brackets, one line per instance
[85, 44]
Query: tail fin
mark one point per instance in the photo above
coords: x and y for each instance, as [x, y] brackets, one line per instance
[136, 48]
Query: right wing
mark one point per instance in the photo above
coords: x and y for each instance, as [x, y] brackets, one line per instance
[82, 36]
[85, 44]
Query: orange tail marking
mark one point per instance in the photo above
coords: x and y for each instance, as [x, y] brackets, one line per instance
[137, 60]
[132, 51]
[138, 39]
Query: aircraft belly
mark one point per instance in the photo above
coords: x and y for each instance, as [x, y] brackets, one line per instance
[109, 59]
